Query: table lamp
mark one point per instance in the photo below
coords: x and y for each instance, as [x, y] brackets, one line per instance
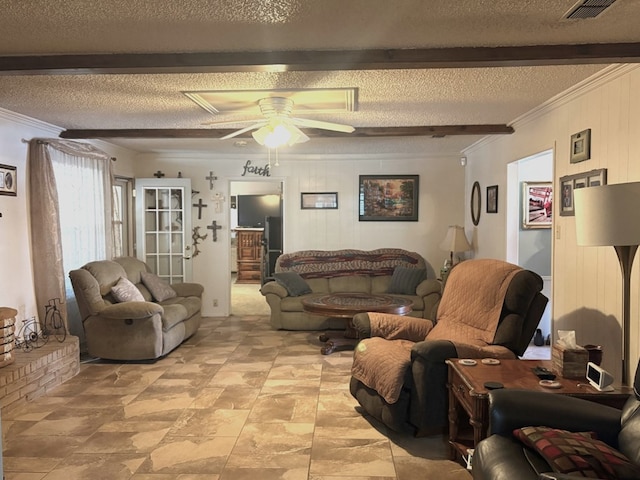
[454, 242]
[608, 215]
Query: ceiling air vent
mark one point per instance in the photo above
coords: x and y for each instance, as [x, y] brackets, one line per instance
[588, 8]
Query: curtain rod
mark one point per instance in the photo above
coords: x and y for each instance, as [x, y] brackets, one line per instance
[42, 142]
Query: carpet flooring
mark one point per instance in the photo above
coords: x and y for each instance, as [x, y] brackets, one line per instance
[237, 401]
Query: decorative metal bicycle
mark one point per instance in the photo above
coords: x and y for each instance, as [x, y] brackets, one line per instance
[53, 322]
[33, 335]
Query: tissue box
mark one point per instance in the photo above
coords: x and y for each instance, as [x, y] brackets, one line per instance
[570, 362]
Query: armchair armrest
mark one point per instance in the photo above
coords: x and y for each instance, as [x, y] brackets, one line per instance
[188, 289]
[511, 408]
[131, 310]
[429, 286]
[274, 288]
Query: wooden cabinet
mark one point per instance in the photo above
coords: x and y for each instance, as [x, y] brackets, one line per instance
[249, 251]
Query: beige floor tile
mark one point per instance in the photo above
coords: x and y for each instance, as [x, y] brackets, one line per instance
[352, 457]
[123, 442]
[234, 473]
[210, 422]
[178, 455]
[96, 467]
[284, 407]
[275, 439]
[410, 468]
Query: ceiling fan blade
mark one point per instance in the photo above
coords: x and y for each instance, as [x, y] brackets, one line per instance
[230, 122]
[243, 130]
[336, 127]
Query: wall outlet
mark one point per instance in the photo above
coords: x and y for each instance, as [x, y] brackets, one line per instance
[215, 302]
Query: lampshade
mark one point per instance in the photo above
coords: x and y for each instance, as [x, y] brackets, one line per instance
[456, 240]
[608, 215]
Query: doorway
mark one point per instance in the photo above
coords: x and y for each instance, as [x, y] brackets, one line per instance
[531, 248]
[256, 226]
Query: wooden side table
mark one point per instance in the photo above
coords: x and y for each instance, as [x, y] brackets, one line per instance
[469, 398]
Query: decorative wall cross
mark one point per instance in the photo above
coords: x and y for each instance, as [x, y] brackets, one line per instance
[199, 206]
[214, 227]
[158, 174]
[211, 178]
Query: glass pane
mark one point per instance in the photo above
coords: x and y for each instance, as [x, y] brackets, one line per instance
[164, 240]
[176, 199]
[151, 263]
[177, 266]
[150, 243]
[164, 266]
[163, 198]
[176, 243]
[164, 221]
[150, 201]
[150, 223]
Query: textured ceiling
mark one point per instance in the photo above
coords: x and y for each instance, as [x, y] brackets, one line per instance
[384, 97]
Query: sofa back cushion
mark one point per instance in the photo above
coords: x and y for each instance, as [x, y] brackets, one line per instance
[133, 266]
[352, 284]
[107, 273]
[340, 263]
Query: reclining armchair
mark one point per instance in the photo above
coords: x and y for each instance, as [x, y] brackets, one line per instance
[489, 308]
[548, 446]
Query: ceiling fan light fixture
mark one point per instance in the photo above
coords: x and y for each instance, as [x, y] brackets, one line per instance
[277, 134]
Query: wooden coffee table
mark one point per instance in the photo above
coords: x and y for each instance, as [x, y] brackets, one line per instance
[346, 305]
[469, 398]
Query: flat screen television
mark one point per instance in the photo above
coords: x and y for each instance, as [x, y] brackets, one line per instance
[252, 209]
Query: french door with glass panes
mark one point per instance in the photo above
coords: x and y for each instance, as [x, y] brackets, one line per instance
[163, 226]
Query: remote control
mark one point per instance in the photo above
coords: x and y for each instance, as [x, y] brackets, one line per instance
[544, 373]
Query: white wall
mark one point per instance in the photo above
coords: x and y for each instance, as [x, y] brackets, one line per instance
[441, 204]
[16, 276]
[586, 280]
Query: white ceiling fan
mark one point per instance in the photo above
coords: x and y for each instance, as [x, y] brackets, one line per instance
[279, 127]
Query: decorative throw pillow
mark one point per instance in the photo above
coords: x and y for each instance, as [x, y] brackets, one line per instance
[293, 282]
[125, 291]
[405, 280]
[159, 288]
[577, 453]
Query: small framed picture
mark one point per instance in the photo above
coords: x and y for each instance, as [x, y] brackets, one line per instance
[581, 146]
[8, 180]
[321, 200]
[492, 199]
[537, 204]
[571, 183]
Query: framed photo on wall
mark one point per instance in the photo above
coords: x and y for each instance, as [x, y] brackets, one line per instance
[569, 183]
[321, 200]
[8, 180]
[388, 198]
[581, 146]
[492, 199]
[537, 204]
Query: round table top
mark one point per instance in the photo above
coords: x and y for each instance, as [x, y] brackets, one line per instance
[349, 304]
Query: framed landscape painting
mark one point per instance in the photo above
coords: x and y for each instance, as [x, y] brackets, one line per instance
[388, 198]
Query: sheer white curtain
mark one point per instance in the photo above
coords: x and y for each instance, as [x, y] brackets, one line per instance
[71, 217]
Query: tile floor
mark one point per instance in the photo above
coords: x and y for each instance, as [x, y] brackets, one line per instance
[237, 401]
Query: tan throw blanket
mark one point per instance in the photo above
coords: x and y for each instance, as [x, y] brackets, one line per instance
[382, 364]
[470, 308]
[394, 327]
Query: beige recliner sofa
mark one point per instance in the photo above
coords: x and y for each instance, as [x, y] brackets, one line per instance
[345, 271]
[132, 330]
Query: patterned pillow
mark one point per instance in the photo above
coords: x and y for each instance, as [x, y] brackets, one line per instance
[293, 282]
[125, 291]
[405, 280]
[577, 453]
[159, 288]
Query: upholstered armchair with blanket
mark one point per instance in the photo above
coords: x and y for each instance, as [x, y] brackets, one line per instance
[489, 308]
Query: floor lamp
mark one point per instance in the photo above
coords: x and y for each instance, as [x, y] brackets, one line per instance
[608, 215]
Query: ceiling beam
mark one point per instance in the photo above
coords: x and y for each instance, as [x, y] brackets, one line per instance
[417, 131]
[318, 60]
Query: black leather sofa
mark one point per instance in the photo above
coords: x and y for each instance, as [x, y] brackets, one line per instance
[502, 457]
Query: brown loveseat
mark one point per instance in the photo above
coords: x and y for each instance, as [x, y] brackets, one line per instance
[132, 330]
[346, 271]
